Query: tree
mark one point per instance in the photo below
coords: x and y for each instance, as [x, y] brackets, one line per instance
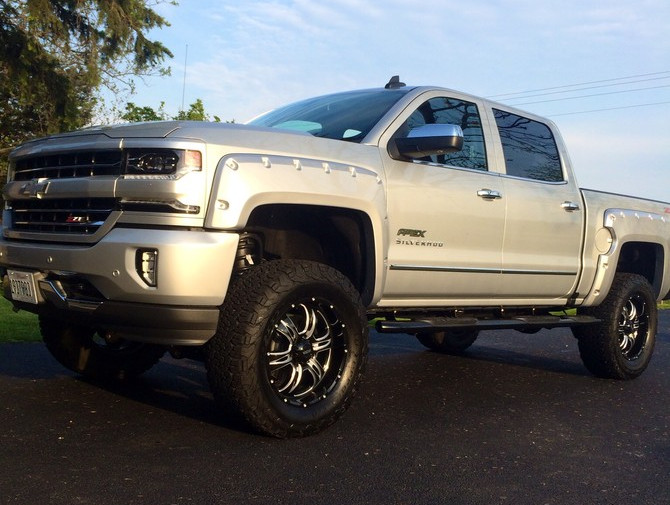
[195, 112]
[56, 55]
[136, 114]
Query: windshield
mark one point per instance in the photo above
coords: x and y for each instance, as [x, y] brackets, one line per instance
[342, 116]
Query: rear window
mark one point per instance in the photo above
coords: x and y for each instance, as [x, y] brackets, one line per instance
[529, 148]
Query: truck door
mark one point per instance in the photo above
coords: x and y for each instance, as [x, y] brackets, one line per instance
[543, 229]
[445, 214]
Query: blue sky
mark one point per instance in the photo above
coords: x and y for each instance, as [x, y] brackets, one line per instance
[248, 56]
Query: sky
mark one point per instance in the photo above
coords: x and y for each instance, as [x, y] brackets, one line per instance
[599, 69]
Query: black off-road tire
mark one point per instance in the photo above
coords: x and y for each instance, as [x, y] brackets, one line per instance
[449, 342]
[621, 345]
[290, 348]
[87, 351]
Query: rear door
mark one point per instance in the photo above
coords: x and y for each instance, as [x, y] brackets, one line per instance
[543, 231]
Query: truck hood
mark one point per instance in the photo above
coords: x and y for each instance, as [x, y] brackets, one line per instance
[187, 130]
[157, 129]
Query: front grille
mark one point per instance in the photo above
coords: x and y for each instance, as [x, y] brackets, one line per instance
[69, 165]
[79, 216]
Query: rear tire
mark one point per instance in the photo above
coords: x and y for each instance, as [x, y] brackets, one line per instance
[97, 354]
[290, 348]
[621, 345]
[449, 342]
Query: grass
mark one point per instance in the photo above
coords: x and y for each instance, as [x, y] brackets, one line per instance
[17, 327]
[23, 327]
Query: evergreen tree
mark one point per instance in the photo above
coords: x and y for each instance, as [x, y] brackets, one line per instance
[57, 54]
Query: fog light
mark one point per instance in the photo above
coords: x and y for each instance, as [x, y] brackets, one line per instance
[146, 263]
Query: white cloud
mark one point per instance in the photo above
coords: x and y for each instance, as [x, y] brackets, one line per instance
[246, 57]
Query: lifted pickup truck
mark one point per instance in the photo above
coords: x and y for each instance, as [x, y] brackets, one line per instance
[265, 248]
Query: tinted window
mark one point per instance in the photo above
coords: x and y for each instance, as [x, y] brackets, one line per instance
[457, 112]
[529, 148]
[344, 116]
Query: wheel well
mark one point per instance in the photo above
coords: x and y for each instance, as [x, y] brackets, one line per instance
[645, 259]
[340, 238]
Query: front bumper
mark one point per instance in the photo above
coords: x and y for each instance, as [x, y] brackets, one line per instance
[100, 286]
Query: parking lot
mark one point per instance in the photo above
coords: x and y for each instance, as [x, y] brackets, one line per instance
[517, 420]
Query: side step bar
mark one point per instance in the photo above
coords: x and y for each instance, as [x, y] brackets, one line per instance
[436, 324]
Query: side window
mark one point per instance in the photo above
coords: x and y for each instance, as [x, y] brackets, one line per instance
[529, 148]
[458, 112]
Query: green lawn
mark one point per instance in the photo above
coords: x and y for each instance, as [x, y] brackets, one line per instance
[17, 327]
[23, 327]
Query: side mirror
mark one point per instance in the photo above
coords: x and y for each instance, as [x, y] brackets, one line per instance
[428, 140]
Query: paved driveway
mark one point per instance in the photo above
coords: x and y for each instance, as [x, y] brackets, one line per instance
[518, 420]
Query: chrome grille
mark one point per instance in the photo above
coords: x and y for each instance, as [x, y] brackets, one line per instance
[69, 165]
[79, 216]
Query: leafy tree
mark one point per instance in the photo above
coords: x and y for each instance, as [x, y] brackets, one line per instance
[136, 114]
[195, 112]
[56, 54]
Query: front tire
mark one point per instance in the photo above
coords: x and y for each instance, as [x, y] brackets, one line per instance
[621, 345]
[290, 348]
[97, 354]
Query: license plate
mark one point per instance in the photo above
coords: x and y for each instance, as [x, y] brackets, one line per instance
[22, 286]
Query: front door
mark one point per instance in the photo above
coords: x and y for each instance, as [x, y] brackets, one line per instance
[446, 216]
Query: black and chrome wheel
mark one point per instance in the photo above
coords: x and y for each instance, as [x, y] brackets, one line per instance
[306, 352]
[96, 353]
[449, 342]
[621, 345]
[290, 347]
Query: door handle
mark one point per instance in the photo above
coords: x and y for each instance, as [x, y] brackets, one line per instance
[489, 194]
[570, 206]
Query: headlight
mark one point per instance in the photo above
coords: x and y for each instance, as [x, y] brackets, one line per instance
[161, 163]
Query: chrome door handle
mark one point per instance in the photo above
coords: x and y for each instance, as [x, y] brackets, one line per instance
[489, 194]
[570, 206]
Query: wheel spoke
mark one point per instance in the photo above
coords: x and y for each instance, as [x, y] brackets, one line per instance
[310, 322]
[282, 358]
[293, 381]
[288, 329]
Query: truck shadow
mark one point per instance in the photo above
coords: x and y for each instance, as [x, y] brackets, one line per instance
[398, 371]
[401, 375]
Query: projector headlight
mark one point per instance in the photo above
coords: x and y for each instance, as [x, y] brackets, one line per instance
[161, 163]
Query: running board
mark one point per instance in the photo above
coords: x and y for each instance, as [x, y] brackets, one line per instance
[436, 324]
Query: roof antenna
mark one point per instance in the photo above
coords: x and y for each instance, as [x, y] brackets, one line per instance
[394, 83]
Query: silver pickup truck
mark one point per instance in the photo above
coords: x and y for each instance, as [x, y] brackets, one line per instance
[265, 249]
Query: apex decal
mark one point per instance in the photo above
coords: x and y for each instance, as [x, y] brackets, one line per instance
[413, 234]
[407, 232]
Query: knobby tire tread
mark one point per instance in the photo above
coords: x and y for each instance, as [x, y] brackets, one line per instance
[231, 353]
[598, 346]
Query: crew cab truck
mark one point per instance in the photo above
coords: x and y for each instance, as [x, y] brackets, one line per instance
[264, 249]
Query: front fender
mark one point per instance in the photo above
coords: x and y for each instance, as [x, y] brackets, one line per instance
[246, 181]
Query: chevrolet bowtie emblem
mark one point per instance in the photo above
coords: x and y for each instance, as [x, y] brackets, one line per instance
[36, 188]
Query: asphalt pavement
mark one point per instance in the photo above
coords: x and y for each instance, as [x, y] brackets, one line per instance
[517, 420]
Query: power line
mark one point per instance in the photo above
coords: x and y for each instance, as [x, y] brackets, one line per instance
[610, 108]
[591, 87]
[665, 72]
[594, 94]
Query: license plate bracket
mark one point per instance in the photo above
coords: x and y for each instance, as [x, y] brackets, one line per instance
[23, 286]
